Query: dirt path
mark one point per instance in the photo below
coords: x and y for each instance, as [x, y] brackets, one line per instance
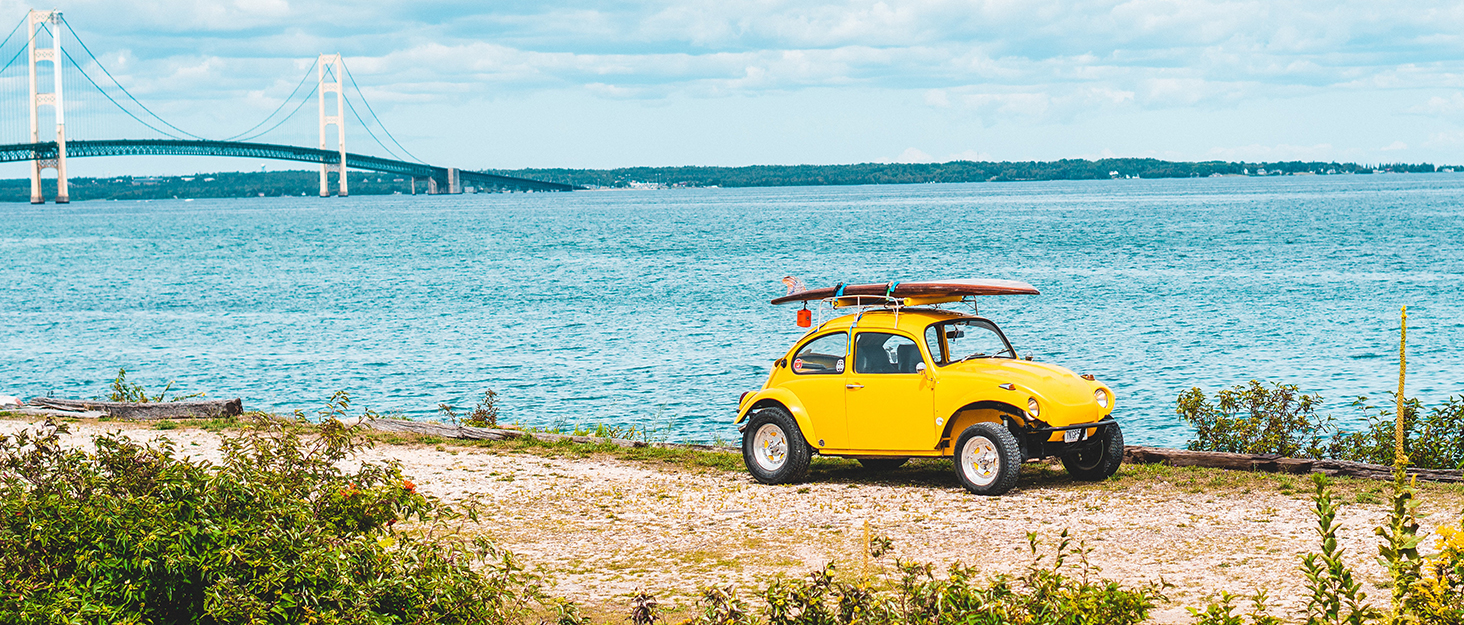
[604, 527]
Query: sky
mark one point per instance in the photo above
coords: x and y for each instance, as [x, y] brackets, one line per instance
[565, 83]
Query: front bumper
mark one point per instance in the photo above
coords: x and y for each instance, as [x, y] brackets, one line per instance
[1035, 443]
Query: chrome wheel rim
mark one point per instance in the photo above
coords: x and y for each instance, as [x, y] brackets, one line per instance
[770, 447]
[979, 461]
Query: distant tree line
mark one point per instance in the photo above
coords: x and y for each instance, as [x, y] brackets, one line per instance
[298, 182]
[955, 171]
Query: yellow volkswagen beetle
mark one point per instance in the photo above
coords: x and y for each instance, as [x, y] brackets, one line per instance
[899, 377]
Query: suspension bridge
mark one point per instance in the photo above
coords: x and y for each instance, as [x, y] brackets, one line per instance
[104, 102]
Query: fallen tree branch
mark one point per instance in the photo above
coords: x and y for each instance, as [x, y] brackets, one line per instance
[49, 412]
[1272, 463]
[211, 409]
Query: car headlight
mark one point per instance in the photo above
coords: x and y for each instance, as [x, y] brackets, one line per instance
[1032, 407]
[1100, 397]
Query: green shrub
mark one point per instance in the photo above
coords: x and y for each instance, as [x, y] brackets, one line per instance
[1055, 593]
[1256, 419]
[1434, 442]
[278, 532]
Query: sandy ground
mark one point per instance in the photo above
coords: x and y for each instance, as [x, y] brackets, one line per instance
[602, 527]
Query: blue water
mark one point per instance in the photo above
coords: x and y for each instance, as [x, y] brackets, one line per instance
[649, 308]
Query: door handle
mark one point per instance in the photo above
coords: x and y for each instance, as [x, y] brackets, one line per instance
[853, 386]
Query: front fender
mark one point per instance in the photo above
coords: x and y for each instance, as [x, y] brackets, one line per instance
[780, 397]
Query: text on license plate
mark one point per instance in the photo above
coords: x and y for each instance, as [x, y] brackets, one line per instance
[1073, 436]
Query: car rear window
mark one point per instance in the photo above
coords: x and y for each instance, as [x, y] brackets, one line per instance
[823, 355]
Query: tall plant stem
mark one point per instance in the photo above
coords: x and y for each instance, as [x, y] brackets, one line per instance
[1400, 461]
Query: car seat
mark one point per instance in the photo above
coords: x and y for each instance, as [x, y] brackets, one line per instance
[908, 356]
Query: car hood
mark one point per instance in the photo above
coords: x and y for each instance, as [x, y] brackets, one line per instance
[1050, 384]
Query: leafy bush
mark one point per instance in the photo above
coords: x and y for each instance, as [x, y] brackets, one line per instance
[1256, 419]
[1057, 593]
[277, 532]
[1435, 442]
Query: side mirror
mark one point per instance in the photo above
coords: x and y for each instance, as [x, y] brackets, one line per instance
[920, 369]
[1029, 355]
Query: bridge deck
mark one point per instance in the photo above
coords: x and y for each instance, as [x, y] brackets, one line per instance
[171, 147]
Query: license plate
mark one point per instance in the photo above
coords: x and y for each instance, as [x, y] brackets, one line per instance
[1073, 436]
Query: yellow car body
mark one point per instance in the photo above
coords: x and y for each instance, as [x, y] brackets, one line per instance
[899, 390]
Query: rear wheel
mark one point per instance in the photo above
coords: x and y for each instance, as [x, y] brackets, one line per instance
[773, 448]
[883, 464]
[987, 459]
[1099, 462]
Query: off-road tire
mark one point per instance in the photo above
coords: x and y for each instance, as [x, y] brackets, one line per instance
[882, 465]
[1098, 463]
[775, 423]
[987, 459]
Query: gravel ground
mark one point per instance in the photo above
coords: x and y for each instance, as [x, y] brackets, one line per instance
[601, 528]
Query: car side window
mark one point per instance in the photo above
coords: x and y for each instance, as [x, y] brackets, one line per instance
[932, 344]
[879, 352]
[823, 355]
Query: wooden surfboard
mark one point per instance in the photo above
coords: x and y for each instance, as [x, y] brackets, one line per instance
[935, 288]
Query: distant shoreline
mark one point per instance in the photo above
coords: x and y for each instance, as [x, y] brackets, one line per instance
[297, 183]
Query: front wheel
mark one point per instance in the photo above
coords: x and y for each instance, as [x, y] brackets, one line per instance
[773, 448]
[1097, 463]
[987, 459]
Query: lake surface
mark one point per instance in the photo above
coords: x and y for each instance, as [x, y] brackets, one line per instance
[649, 308]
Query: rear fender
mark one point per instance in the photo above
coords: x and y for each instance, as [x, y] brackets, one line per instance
[784, 399]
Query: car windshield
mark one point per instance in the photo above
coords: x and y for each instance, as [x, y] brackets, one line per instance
[965, 339]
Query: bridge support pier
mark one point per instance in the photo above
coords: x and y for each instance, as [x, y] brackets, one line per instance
[52, 99]
[338, 120]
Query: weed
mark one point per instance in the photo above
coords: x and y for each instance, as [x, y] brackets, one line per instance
[484, 415]
[722, 606]
[1336, 596]
[122, 391]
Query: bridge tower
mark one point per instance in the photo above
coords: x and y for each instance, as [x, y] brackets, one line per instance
[51, 99]
[339, 119]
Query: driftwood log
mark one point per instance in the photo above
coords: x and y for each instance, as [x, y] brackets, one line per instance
[1272, 463]
[49, 412]
[212, 409]
[447, 430]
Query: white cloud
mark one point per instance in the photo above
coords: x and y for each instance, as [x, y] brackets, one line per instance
[1438, 105]
[913, 155]
[1394, 146]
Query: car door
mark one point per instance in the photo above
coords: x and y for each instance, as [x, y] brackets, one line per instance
[819, 369]
[887, 399]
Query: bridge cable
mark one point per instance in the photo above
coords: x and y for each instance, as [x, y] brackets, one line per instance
[373, 115]
[124, 109]
[367, 128]
[12, 60]
[286, 118]
[119, 86]
[14, 30]
[22, 48]
[282, 104]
